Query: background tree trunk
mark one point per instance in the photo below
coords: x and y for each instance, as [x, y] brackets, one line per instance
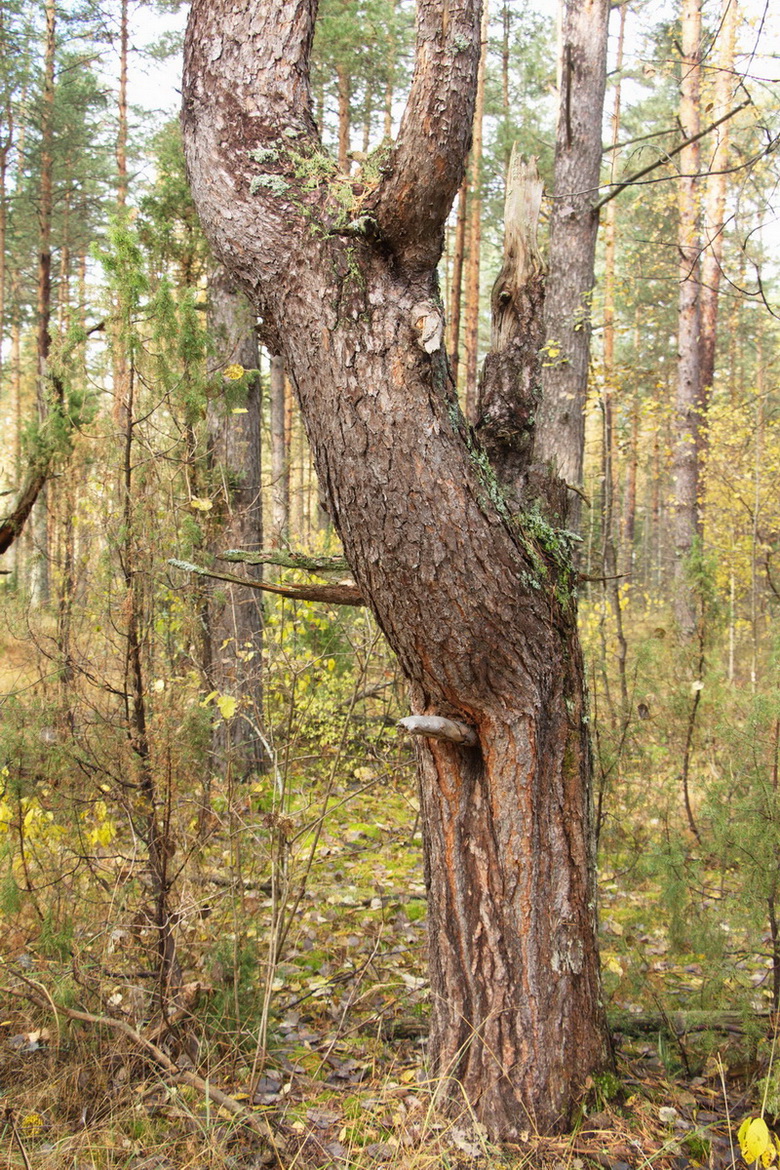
[715, 200]
[474, 248]
[235, 614]
[280, 454]
[560, 427]
[688, 403]
[39, 569]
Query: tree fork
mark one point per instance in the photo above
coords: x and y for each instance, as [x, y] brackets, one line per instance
[480, 618]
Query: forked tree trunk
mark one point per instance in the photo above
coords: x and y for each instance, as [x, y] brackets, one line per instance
[477, 608]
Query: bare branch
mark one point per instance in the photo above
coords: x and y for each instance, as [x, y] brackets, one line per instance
[659, 162]
[331, 594]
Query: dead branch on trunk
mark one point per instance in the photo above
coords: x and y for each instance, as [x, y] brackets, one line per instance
[286, 560]
[330, 594]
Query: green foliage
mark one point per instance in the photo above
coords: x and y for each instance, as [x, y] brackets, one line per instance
[168, 226]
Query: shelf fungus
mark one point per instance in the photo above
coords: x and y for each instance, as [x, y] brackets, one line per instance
[437, 727]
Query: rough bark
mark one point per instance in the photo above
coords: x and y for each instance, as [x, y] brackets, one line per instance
[573, 227]
[235, 616]
[688, 402]
[477, 610]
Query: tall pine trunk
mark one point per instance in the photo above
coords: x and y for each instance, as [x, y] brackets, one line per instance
[688, 401]
[39, 574]
[471, 308]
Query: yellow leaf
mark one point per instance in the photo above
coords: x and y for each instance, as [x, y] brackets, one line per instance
[233, 372]
[754, 1139]
[227, 706]
[201, 505]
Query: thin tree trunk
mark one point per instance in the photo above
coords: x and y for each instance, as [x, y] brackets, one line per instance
[152, 815]
[280, 456]
[689, 401]
[471, 310]
[629, 514]
[235, 615]
[609, 554]
[5, 149]
[560, 426]
[122, 127]
[344, 94]
[456, 286]
[715, 200]
[39, 578]
[387, 132]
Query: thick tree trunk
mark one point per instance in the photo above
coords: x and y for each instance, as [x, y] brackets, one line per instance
[688, 404]
[235, 616]
[560, 425]
[478, 609]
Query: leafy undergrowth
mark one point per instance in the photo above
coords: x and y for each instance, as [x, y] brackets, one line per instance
[293, 1032]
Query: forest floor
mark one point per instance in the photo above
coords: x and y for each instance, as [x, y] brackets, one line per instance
[300, 916]
[343, 1081]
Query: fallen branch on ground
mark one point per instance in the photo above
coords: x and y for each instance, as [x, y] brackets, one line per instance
[182, 1076]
